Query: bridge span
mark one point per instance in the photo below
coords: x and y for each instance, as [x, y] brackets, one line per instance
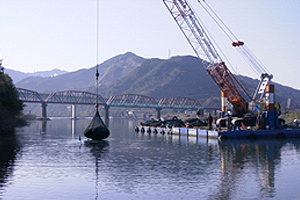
[125, 100]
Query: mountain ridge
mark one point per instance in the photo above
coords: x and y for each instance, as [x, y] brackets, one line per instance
[18, 76]
[84, 79]
[183, 76]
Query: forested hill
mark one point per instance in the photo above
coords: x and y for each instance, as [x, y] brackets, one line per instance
[182, 76]
[10, 106]
[178, 76]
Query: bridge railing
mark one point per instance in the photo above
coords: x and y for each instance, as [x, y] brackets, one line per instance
[75, 97]
[29, 95]
[179, 103]
[125, 100]
[132, 100]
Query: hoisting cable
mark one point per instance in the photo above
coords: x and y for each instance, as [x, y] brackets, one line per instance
[239, 83]
[259, 64]
[224, 31]
[213, 40]
[218, 18]
[97, 56]
[97, 129]
[252, 61]
[243, 50]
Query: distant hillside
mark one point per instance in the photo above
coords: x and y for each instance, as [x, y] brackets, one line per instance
[18, 76]
[182, 76]
[54, 72]
[186, 76]
[15, 75]
[177, 76]
[110, 72]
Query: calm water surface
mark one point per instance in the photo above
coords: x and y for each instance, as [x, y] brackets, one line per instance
[47, 161]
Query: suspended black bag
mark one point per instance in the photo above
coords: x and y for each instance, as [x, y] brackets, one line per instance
[96, 130]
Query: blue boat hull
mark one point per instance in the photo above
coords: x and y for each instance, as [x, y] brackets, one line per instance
[260, 134]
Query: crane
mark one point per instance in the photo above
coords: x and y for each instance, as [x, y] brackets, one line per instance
[194, 31]
[257, 66]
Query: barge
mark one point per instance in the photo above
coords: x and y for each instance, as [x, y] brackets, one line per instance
[286, 133]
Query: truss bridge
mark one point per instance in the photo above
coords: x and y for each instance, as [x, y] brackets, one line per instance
[74, 98]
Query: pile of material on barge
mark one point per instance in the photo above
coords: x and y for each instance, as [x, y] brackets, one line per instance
[226, 127]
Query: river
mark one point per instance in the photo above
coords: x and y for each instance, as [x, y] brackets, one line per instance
[48, 161]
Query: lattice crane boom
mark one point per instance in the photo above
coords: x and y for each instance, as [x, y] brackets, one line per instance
[194, 32]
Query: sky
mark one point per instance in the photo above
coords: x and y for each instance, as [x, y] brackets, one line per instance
[38, 35]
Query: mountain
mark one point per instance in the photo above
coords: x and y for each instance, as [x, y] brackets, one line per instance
[185, 76]
[15, 75]
[110, 72]
[54, 72]
[181, 76]
[18, 76]
[177, 76]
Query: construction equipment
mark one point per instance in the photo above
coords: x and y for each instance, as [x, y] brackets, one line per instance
[204, 49]
[243, 104]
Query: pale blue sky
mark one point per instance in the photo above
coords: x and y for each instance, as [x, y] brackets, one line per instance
[40, 35]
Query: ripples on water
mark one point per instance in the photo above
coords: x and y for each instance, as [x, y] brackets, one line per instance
[49, 162]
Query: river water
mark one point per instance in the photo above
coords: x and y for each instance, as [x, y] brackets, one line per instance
[48, 161]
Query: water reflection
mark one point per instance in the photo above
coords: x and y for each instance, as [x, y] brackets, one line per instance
[234, 169]
[58, 125]
[9, 148]
[44, 126]
[135, 166]
[98, 150]
[73, 127]
[240, 157]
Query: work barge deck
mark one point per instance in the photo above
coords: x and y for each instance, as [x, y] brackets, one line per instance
[285, 133]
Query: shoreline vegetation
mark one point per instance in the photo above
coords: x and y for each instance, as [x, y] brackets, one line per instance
[11, 107]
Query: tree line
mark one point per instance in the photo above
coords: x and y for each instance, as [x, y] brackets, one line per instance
[10, 105]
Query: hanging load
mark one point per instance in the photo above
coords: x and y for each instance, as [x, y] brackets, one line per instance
[238, 43]
[96, 130]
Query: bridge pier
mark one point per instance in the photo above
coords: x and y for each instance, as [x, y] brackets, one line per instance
[73, 111]
[73, 127]
[106, 115]
[44, 110]
[158, 115]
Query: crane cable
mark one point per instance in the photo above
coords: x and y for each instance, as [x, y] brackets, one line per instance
[212, 13]
[243, 50]
[224, 31]
[214, 42]
[238, 82]
[97, 57]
